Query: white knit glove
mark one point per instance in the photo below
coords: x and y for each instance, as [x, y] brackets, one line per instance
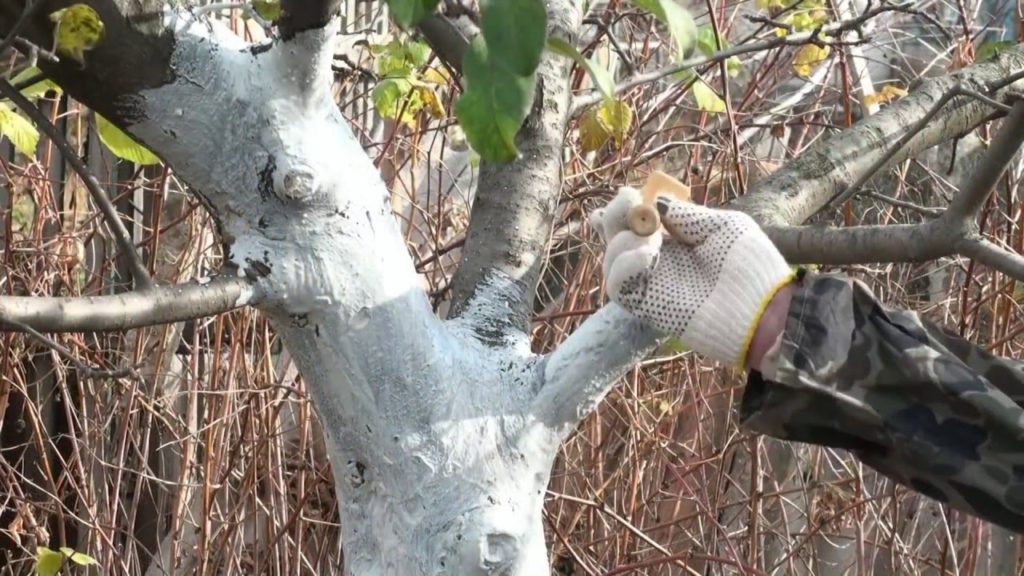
[708, 283]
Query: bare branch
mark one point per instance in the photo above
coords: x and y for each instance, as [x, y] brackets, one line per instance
[994, 257]
[160, 305]
[1004, 147]
[121, 235]
[859, 244]
[907, 136]
[515, 203]
[800, 39]
[84, 370]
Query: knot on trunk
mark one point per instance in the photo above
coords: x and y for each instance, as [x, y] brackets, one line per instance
[297, 183]
[498, 551]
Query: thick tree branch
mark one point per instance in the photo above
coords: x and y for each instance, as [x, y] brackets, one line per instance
[515, 203]
[966, 205]
[445, 39]
[301, 15]
[113, 220]
[160, 305]
[800, 188]
[133, 54]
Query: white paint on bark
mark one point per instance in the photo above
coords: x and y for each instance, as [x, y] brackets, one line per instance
[440, 450]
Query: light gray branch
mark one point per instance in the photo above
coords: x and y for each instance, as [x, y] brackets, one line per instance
[799, 189]
[160, 305]
[967, 203]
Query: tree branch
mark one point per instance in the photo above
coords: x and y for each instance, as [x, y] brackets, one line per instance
[515, 203]
[800, 188]
[113, 220]
[133, 55]
[1004, 147]
[160, 305]
[445, 39]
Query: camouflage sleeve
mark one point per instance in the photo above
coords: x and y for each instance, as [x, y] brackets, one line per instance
[924, 407]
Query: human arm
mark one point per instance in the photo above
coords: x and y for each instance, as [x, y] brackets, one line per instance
[922, 406]
[830, 365]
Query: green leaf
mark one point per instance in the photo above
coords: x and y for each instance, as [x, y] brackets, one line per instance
[733, 66]
[707, 99]
[77, 29]
[38, 88]
[122, 145]
[269, 10]
[706, 41]
[494, 104]
[601, 77]
[394, 96]
[991, 49]
[78, 557]
[617, 117]
[672, 347]
[48, 562]
[514, 31]
[408, 13]
[593, 134]
[679, 21]
[18, 130]
[417, 53]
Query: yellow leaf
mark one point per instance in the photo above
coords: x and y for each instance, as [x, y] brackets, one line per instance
[436, 76]
[430, 101]
[78, 557]
[37, 89]
[48, 562]
[707, 99]
[809, 56]
[593, 134]
[19, 130]
[616, 117]
[122, 145]
[887, 94]
[77, 28]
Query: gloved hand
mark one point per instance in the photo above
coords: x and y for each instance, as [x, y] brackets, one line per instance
[709, 282]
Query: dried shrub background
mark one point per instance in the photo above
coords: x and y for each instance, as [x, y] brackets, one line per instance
[211, 451]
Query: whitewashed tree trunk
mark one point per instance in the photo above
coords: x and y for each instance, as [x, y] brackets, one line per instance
[441, 433]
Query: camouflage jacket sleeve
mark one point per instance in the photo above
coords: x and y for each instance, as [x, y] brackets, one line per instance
[924, 407]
